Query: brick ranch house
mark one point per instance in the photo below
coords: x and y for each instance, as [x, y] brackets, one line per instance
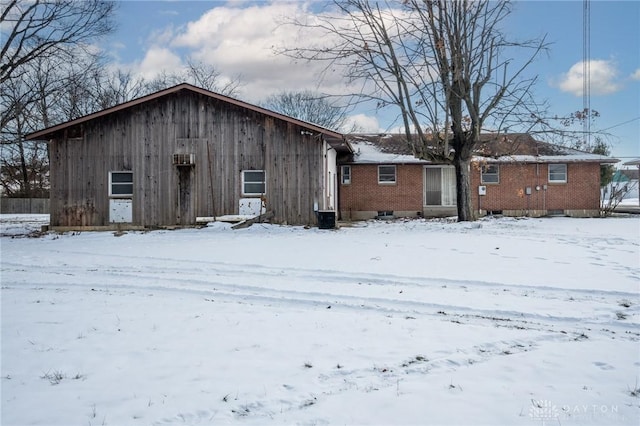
[181, 153]
[512, 174]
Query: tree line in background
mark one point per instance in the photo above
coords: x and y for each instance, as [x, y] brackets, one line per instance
[444, 66]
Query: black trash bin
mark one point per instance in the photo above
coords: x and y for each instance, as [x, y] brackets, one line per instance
[326, 219]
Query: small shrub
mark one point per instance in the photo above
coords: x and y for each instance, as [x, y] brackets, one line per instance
[581, 336]
[54, 378]
[625, 303]
[309, 403]
[414, 360]
[242, 412]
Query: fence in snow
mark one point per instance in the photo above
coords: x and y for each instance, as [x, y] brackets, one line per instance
[24, 205]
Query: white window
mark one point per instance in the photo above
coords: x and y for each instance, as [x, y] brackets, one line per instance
[386, 174]
[253, 182]
[558, 173]
[346, 175]
[121, 184]
[490, 174]
[440, 186]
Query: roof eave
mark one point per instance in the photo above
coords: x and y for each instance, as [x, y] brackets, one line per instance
[540, 160]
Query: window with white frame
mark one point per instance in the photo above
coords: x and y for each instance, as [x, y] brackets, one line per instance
[253, 182]
[386, 174]
[490, 173]
[557, 173]
[346, 175]
[121, 184]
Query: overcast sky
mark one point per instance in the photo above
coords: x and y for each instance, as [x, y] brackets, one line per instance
[238, 38]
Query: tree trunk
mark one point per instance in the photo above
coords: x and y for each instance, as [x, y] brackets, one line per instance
[463, 188]
[26, 184]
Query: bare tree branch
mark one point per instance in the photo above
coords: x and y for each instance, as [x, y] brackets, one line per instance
[44, 28]
[444, 64]
[46, 59]
[308, 106]
[199, 74]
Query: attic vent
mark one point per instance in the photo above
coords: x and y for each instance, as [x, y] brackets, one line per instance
[184, 159]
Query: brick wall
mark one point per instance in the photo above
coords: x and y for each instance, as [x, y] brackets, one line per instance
[364, 193]
[580, 192]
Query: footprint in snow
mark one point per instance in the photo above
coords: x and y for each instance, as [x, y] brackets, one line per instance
[603, 365]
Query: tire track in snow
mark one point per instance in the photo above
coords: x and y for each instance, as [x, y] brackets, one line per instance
[326, 275]
[371, 292]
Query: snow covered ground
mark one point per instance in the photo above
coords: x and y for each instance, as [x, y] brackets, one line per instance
[501, 321]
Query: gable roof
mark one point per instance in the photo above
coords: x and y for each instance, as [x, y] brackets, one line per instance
[335, 139]
[498, 148]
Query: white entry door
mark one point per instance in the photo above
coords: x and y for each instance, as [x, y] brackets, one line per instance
[120, 210]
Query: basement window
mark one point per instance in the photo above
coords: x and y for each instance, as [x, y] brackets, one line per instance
[253, 182]
[386, 174]
[557, 173]
[120, 184]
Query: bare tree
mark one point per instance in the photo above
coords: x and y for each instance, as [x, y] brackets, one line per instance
[48, 28]
[116, 87]
[445, 65]
[23, 165]
[45, 59]
[199, 74]
[308, 106]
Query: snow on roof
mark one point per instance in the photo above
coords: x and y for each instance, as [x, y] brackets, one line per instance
[561, 158]
[368, 152]
[520, 148]
[523, 148]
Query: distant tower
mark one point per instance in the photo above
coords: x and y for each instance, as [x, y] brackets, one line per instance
[586, 73]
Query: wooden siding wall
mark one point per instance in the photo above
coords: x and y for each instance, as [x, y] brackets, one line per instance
[225, 139]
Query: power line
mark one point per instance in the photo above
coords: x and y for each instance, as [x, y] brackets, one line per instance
[621, 124]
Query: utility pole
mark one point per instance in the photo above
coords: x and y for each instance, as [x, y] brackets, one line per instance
[586, 73]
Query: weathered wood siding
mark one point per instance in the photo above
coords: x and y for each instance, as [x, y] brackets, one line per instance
[225, 139]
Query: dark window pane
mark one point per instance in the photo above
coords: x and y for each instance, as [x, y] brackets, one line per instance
[557, 172]
[253, 188]
[490, 174]
[254, 176]
[386, 173]
[122, 189]
[122, 177]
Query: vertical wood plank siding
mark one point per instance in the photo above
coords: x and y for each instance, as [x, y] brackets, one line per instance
[225, 140]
